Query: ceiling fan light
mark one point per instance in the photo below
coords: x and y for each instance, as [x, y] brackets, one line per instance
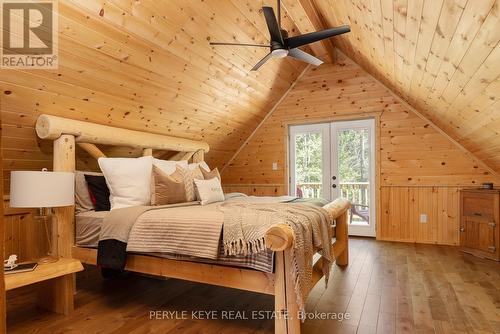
[279, 53]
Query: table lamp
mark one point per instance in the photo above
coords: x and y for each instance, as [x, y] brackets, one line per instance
[43, 190]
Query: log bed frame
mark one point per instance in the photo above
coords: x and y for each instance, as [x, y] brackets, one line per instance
[67, 133]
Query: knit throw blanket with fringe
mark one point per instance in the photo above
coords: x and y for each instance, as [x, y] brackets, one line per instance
[245, 225]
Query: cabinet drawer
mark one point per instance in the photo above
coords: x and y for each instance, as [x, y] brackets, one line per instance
[480, 206]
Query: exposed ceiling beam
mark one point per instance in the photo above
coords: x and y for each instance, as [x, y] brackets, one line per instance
[306, 18]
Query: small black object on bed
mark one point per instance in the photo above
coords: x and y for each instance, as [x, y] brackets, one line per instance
[98, 191]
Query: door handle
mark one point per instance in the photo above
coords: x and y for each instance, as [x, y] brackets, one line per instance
[334, 185]
[334, 178]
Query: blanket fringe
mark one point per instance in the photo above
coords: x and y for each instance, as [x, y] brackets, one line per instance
[242, 247]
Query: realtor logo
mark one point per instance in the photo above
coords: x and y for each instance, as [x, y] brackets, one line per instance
[29, 34]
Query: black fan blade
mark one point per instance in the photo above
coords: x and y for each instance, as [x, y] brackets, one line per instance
[272, 25]
[305, 57]
[240, 44]
[261, 62]
[296, 41]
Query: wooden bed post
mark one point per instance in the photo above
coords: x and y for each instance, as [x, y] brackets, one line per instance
[280, 325]
[57, 294]
[341, 233]
[293, 321]
[199, 156]
[285, 301]
[280, 239]
[339, 211]
[64, 161]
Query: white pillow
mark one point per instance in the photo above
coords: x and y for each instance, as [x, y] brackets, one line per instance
[202, 164]
[168, 166]
[209, 191]
[128, 179]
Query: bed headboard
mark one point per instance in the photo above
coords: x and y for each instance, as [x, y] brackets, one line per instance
[67, 133]
[87, 135]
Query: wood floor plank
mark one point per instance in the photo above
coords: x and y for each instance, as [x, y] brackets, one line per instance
[404, 315]
[387, 288]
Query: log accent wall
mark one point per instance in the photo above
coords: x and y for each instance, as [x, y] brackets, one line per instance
[421, 169]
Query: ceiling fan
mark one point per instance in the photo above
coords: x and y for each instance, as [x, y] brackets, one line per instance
[282, 46]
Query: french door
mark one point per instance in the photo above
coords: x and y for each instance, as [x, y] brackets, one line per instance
[337, 159]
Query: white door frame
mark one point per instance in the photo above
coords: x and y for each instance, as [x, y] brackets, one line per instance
[330, 165]
[324, 129]
[370, 230]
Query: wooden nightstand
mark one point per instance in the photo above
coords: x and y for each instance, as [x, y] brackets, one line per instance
[56, 280]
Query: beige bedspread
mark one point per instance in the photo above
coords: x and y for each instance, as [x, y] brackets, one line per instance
[118, 223]
[194, 230]
[191, 231]
[186, 229]
[88, 228]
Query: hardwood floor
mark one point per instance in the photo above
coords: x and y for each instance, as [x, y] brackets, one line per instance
[387, 288]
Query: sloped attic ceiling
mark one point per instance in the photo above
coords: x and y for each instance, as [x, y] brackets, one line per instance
[148, 65]
[441, 56]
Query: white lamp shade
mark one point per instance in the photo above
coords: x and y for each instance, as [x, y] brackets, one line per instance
[43, 189]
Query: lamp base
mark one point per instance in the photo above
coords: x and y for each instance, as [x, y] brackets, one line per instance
[48, 259]
[51, 235]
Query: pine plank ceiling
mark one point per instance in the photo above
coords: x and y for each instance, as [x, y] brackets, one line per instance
[441, 56]
[148, 65]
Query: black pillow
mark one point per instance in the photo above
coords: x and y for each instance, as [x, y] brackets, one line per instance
[99, 190]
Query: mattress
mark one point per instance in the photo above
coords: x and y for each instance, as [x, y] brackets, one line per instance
[88, 228]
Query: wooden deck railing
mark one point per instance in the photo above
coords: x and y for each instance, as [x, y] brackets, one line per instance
[356, 192]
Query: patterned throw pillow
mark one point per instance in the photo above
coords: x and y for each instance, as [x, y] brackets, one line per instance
[209, 191]
[207, 175]
[167, 189]
[189, 175]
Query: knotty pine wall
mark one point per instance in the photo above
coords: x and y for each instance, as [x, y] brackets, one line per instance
[421, 170]
[24, 235]
[148, 66]
[141, 65]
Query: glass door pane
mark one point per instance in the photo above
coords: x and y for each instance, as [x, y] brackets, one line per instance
[309, 161]
[308, 165]
[353, 172]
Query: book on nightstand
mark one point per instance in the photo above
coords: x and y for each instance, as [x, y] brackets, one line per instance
[21, 268]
